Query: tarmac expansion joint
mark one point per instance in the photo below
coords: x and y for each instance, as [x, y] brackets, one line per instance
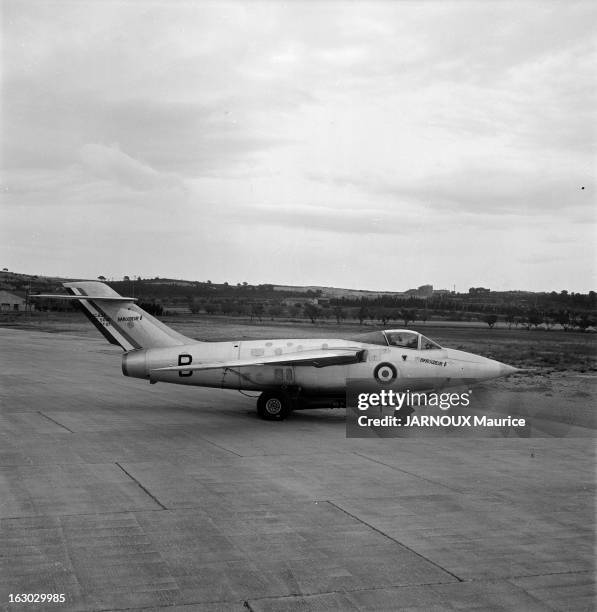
[356, 518]
[144, 489]
[393, 467]
[55, 422]
[355, 590]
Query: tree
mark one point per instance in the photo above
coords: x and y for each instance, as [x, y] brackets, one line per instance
[339, 314]
[534, 318]
[152, 308]
[275, 310]
[383, 314]
[227, 307]
[257, 311]
[211, 308]
[490, 319]
[394, 314]
[312, 311]
[362, 314]
[407, 316]
[584, 322]
[549, 320]
[563, 318]
[102, 278]
[509, 319]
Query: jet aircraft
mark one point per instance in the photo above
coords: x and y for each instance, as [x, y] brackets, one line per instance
[290, 373]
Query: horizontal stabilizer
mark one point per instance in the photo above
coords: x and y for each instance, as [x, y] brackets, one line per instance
[64, 296]
[317, 359]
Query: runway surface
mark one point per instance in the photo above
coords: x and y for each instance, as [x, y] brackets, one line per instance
[125, 495]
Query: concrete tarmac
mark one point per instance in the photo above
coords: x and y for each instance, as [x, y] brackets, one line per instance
[124, 495]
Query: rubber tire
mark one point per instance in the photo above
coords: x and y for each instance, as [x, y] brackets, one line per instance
[274, 406]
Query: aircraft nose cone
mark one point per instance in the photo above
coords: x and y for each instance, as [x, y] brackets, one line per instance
[474, 368]
[497, 369]
[505, 369]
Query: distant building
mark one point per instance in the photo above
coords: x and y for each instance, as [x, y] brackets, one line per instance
[425, 291]
[9, 302]
[293, 288]
[478, 291]
[300, 301]
[177, 310]
[173, 283]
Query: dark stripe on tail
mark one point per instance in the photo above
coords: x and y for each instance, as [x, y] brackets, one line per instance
[116, 326]
[103, 331]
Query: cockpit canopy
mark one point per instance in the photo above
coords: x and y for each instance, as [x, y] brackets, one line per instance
[403, 338]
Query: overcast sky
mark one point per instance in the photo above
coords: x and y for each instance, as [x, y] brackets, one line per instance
[355, 144]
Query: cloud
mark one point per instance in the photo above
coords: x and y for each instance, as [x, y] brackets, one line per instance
[326, 219]
[482, 189]
[454, 126]
[111, 164]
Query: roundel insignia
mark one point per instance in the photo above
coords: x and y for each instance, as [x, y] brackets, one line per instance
[385, 373]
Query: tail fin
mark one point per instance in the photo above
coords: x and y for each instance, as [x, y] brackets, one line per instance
[120, 320]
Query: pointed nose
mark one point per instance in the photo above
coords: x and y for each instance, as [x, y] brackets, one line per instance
[489, 368]
[474, 368]
[506, 370]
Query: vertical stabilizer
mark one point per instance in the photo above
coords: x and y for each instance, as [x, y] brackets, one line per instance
[120, 320]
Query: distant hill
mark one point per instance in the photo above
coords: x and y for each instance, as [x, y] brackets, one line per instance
[314, 302]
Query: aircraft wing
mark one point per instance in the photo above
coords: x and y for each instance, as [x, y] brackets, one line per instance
[319, 358]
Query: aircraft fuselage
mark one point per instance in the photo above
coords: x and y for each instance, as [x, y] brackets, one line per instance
[404, 368]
